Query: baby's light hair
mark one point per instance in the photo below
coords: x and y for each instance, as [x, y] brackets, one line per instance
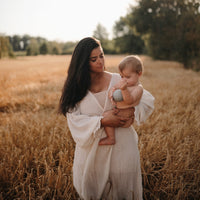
[133, 62]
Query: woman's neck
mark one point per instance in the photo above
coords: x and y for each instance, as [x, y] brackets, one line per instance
[99, 82]
[95, 77]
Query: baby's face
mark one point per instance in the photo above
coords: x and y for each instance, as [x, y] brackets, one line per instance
[131, 77]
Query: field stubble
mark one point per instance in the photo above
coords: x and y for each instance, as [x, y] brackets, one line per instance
[36, 148]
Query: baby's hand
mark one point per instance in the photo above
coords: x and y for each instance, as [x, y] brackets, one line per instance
[123, 84]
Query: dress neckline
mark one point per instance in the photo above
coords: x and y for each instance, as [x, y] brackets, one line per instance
[96, 93]
[106, 88]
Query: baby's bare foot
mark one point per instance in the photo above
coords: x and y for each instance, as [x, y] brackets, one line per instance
[107, 141]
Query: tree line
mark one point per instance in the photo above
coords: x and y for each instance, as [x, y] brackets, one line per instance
[33, 45]
[163, 29]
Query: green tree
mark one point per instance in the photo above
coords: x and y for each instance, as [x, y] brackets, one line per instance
[44, 49]
[54, 47]
[5, 47]
[126, 38]
[41, 40]
[33, 47]
[16, 42]
[55, 50]
[68, 47]
[173, 28]
[101, 33]
[25, 39]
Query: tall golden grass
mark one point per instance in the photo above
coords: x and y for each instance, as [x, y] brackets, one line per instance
[36, 148]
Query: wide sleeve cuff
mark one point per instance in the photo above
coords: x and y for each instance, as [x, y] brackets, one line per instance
[84, 128]
[145, 108]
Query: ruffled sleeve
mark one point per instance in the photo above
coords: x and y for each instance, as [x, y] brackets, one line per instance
[83, 128]
[145, 108]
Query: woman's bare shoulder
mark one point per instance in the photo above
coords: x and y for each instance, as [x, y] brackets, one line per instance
[111, 74]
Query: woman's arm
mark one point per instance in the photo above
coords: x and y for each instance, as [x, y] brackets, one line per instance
[115, 117]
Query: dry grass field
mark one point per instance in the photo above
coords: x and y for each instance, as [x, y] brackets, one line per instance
[36, 149]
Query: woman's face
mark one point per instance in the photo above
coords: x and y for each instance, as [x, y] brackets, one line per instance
[97, 60]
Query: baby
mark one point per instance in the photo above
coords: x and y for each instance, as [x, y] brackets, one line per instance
[127, 93]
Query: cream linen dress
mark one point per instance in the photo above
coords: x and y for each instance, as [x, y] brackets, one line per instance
[110, 172]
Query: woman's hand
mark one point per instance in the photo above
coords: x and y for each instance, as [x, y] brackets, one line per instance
[127, 112]
[118, 117]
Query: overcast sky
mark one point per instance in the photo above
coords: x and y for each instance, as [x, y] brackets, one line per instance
[62, 20]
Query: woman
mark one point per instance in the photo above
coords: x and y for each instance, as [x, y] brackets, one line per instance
[108, 172]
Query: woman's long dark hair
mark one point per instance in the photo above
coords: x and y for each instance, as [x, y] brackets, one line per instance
[78, 79]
